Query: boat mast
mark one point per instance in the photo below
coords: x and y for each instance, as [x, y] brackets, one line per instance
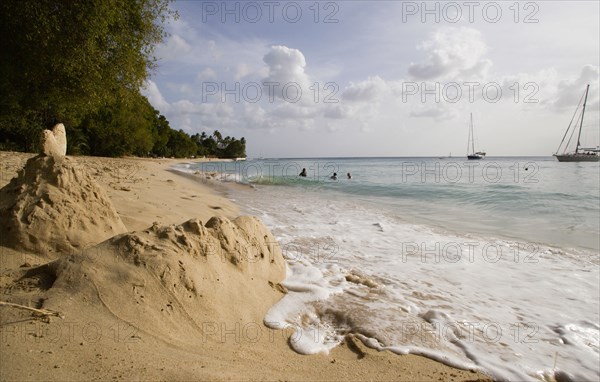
[471, 137]
[582, 114]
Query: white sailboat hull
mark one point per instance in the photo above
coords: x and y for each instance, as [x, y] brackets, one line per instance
[577, 157]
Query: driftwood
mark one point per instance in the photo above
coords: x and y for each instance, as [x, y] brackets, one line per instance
[42, 312]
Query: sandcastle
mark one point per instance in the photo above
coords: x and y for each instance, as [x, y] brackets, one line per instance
[177, 277]
[53, 206]
[54, 142]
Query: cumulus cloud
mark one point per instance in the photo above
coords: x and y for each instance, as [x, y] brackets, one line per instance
[204, 110]
[180, 88]
[242, 70]
[288, 99]
[206, 74]
[152, 92]
[369, 90]
[569, 92]
[549, 89]
[256, 116]
[337, 111]
[175, 46]
[189, 115]
[452, 52]
[286, 67]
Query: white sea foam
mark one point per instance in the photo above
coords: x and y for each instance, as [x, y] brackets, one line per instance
[469, 301]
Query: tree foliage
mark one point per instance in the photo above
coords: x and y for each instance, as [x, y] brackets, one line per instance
[217, 146]
[82, 63]
[64, 59]
[128, 126]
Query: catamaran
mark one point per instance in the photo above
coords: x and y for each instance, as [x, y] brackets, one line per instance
[471, 154]
[581, 154]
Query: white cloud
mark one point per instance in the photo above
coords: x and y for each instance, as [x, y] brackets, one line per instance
[214, 50]
[452, 52]
[175, 46]
[188, 115]
[337, 111]
[256, 117]
[184, 89]
[549, 90]
[242, 70]
[369, 90]
[569, 92]
[192, 46]
[151, 91]
[207, 74]
[286, 67]
[185, 107]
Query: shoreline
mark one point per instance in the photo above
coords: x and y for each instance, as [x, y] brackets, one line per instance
[94, 342]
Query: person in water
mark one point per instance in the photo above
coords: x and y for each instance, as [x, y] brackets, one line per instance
[303, 173]
[334, 176]
[349, 176]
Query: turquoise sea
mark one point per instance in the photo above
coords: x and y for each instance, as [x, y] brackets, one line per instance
[490, 264]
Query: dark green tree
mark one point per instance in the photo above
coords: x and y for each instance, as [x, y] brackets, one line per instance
[235, 149]
[128, 126]
[211, 146]
[64, 60]
[161, 141]
[218, 136]
[181, 145]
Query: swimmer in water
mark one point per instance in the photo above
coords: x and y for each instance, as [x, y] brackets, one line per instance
[303, 173]
[334, 176]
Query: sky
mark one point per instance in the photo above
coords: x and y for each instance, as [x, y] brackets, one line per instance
[381, 78]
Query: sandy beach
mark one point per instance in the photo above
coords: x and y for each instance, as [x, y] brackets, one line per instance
[179, 294]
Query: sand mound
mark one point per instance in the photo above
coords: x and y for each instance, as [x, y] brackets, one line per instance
[55, 207]
[176, 283]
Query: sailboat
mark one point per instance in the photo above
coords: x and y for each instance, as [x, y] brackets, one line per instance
[581, 154]
[471, 154]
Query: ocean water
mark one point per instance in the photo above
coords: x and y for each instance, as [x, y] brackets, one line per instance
[491, 265]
